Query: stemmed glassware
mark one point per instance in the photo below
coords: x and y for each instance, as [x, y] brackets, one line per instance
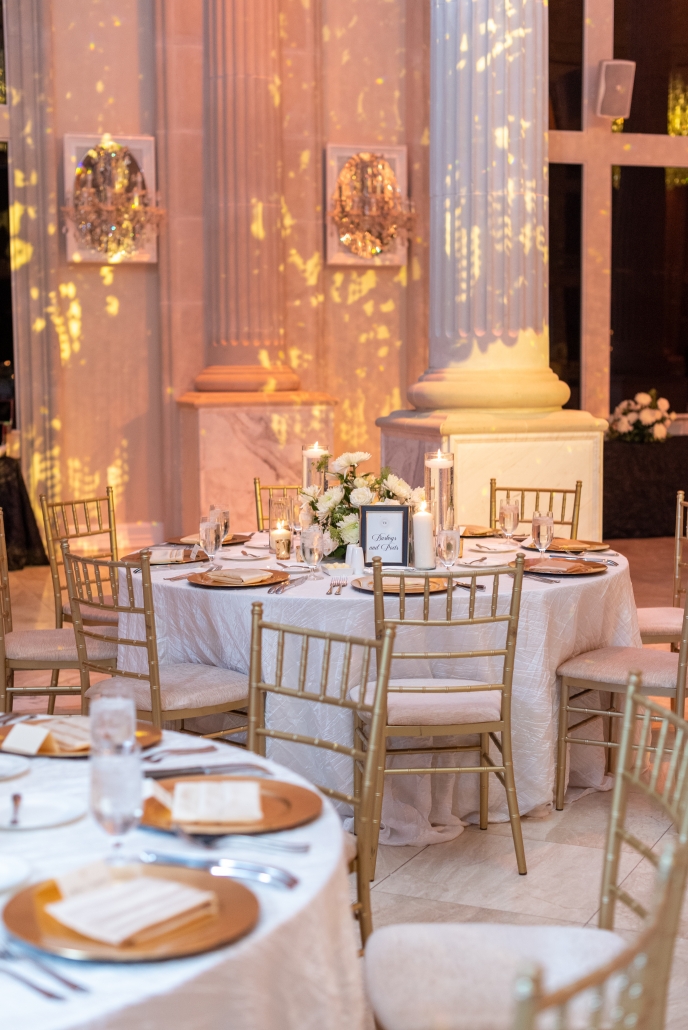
[220, 515]
[115, 761]
[509, 513]
[448, 547]
[543, 530]
[210, 535]
[312, 548]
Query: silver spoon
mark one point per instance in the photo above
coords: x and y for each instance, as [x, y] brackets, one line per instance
[18, 956]
[30, 983]
[16, 805]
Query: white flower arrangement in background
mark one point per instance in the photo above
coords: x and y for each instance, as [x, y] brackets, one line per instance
[337, 509]
[645, 419]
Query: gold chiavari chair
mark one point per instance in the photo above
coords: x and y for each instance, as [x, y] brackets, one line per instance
[663, 625]
[72, 521]
[289, 491]
[179, 691]
[542, 499]
[463, 975]
[606, 670]
[35, 649]
[316, 685]
[429, 707]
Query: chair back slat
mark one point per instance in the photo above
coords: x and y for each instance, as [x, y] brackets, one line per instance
[557, 503]
[680, 536]
[260, 489]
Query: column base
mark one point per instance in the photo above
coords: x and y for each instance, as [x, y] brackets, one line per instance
[548, 448]
[521, 388]
[228, 438]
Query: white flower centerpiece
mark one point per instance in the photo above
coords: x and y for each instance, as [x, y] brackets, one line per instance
[337, 509]
[645, 419]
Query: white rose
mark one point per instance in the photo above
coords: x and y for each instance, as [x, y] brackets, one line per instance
[330, 499]
[349, 529]
[417, 495]
[659, 431]
[632, 417]
[643, 399]
[647, 416]
[361, 495]
[329, 543]
[622, 425]
[397, 486]
[663, 404]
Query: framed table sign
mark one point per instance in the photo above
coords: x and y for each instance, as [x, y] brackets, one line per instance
[385, 532]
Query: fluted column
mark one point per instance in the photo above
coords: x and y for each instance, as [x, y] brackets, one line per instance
[242, 173]
[489, 338]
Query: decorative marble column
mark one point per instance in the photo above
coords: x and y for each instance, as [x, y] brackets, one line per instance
[489, 394]
[247, 415]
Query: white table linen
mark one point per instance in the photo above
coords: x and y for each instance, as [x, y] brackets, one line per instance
[297, 970]
[557, 621]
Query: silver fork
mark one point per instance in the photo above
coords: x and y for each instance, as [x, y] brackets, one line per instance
[341, 582]
[174, 579]
[159, 755]
[333, 583]
[18, 956]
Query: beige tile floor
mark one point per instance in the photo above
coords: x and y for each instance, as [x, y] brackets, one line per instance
[474, 877]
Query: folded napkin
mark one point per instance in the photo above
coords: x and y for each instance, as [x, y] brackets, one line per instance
[217, 801]
[193, 539]
[132, 911]
[410, 582]
[237, 576]
[166, 555]
[557, 565]
[476, 531]
[496, 546]
[49, 736]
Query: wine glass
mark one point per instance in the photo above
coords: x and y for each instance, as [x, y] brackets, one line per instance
[220, 515]
[448, 547]
[509, 513]
[210, 536]
[115, 761]
[543, 530]
[312, 548]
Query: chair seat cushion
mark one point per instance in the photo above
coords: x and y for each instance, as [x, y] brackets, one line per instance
[661, 620]
[188, 686]
[461, 976]
[47, 645]
[434, 707]
[613, 664]
[92, 614]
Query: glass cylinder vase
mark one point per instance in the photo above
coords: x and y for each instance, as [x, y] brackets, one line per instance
[439, 488]
[278, 521]
[310, 456]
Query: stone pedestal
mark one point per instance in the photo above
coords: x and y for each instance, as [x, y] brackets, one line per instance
[228, 438]
[489, 394]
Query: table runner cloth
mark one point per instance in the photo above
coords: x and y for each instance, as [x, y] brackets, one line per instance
[297, 970]
[212, 626]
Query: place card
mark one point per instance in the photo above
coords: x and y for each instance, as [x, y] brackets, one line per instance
[217, 801]
[385, 532]
[25, 739]
[132, 911]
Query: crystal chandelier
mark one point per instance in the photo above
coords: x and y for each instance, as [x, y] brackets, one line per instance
[112, 212]
[367, 206]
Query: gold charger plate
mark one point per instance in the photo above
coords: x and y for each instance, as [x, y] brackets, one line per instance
[231, 538]
[474, 531]
[561, 567]
[135, 556]
[146, 735]
[578, 546]
[26, 919]
[437, 586]
[202, 579]
[285, 805]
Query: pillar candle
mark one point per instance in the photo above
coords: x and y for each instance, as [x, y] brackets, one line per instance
[423, 540]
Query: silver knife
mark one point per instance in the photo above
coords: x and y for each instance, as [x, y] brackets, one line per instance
[234, 869]
[235, 768]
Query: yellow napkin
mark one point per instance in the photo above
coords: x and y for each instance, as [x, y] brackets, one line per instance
[217, 801]
[49, 736]
[557, 565]
[131, 911]
[411, 582]
[166, 555]
[236, 576]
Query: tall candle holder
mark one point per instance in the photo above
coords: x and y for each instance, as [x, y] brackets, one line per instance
[278, 520]
[439, 487]
[311, 454]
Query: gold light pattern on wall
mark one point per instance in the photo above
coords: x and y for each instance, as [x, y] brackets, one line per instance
[677, 125]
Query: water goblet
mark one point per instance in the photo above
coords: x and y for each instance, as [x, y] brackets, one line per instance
[220, 515]
[509, 518]
[448, 547]
[312, 548]
[115, 764]
[542, 530]
[210, 535]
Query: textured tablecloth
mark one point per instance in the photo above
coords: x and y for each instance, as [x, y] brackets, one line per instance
[297, 970]
[557, 621]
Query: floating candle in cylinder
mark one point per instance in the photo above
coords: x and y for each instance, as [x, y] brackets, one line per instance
[423, 539]
[439, 487]
[311, 455]
[280, 540]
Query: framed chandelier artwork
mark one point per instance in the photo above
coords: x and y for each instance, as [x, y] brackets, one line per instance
[110, 214]
[369, 215]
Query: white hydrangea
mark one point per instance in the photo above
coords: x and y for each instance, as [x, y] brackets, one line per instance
[330, 499]
[417, 495]
[659, 431]
[308, 494]
[349, 529]
[622, 424]
[361, 495]
[663, 404]
[647, 416]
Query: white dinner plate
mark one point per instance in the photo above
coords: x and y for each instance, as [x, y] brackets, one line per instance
[238, 557]
[13, 872]
[39, 811]
[12, 765]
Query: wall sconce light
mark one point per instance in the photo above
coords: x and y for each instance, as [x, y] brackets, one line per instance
[370, 213]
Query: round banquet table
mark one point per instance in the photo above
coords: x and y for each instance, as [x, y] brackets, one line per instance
[297, 969]
[557, 621]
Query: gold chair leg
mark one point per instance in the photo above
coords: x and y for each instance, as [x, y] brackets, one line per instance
[377, 808]
[484, 780]
[611, 751]
[54, 679]
[512, 804]
[560, 783]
